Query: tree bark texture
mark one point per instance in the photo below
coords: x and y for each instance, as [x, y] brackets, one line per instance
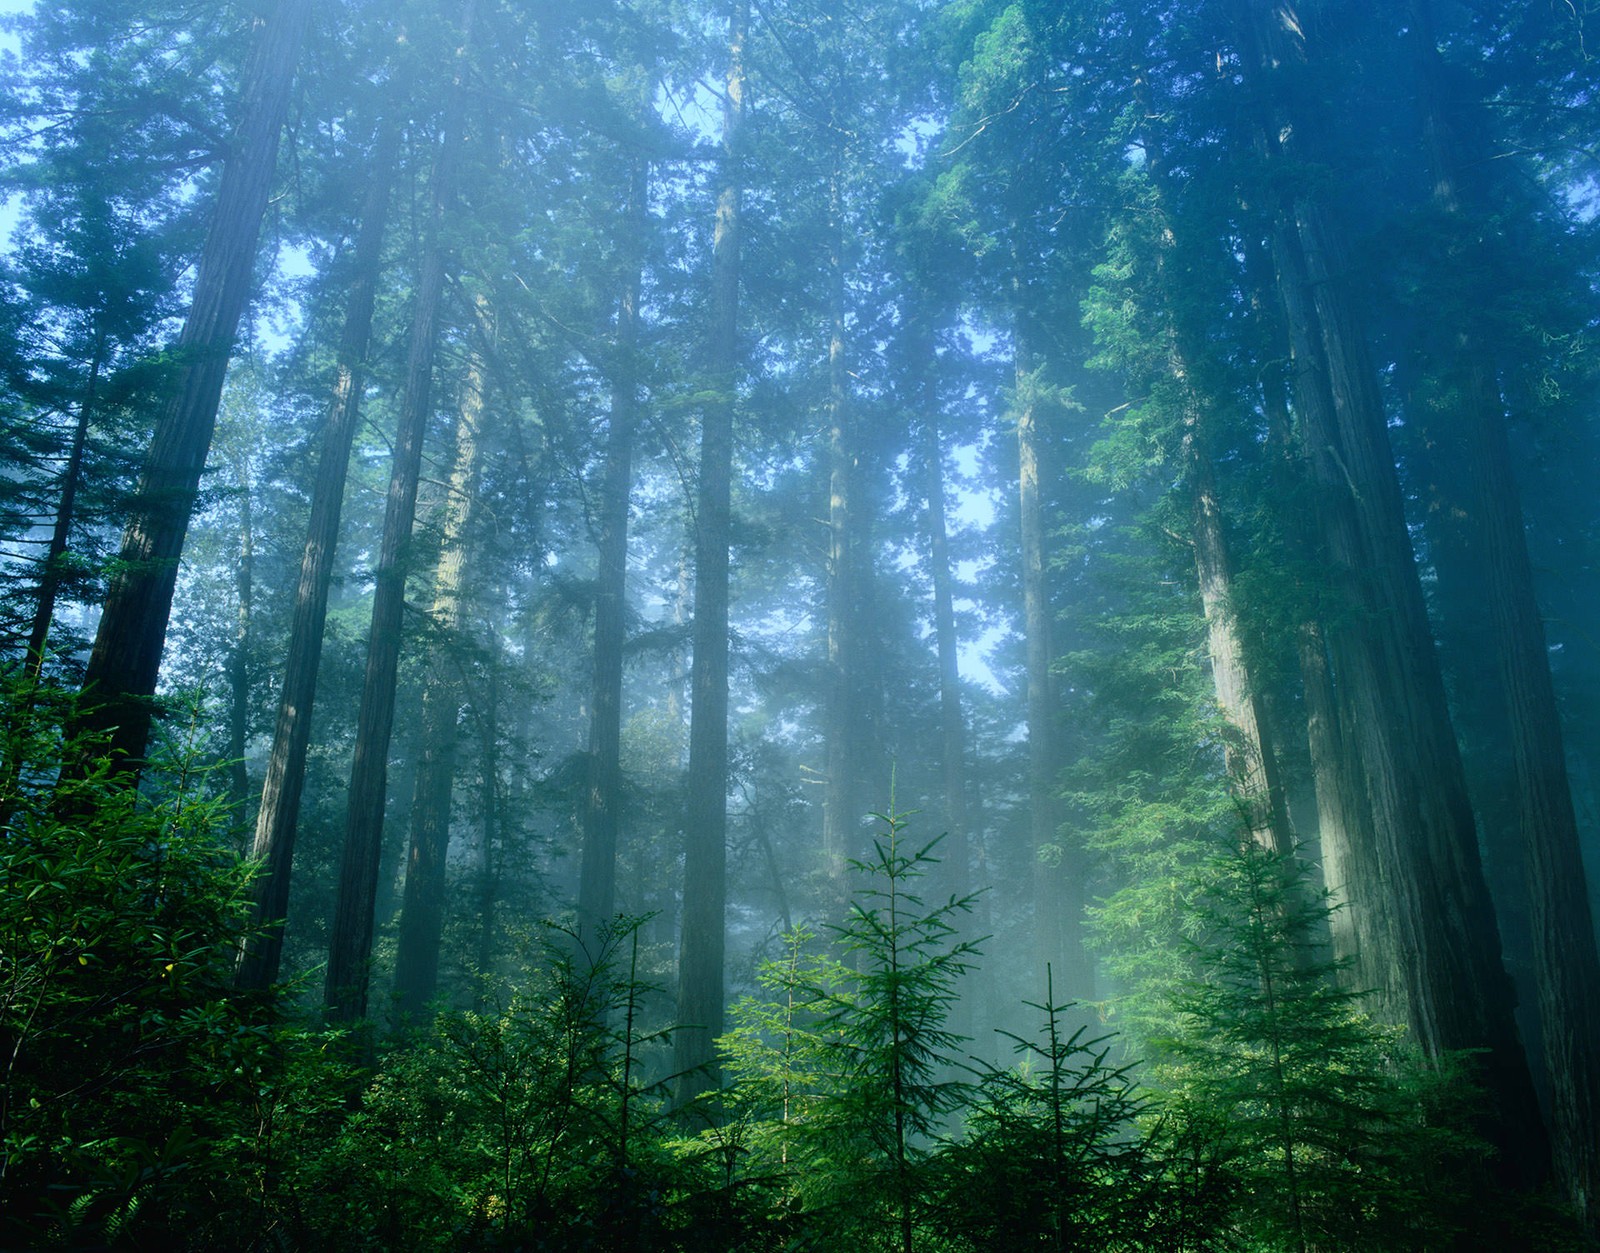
[1351, 871]
[284, 781]
[1249, 751]
[350, 945]
[1385, 665]
[703, 926]
[121, 677]
[416, 970]
[602, 797]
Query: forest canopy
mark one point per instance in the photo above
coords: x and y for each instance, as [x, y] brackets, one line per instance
[799, 624]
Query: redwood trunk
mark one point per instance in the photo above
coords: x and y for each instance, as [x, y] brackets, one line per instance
[121, 676]
[597, 881]
[284, 781]
[416, 971]
[350, 946]
[1383, 653]
[841, 805]
[702, 938]
[1566, 964]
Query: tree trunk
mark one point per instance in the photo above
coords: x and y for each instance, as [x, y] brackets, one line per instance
[1385, 665]
[121, 676]
[416, 970]
[350, 946]
[239, 660]
[1351, 872]
[1565, 962]
[1058, 893]
[702, 939]
[1250, 754]
[284, 780]
[61, 533]
[602, 799]
[841, 804]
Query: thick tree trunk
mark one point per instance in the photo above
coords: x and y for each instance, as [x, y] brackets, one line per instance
[702, 938]
[121, 678]
[602, 797]
[284, 780]
[1359, 926]
[1566, 964]
[1384, 660]
[350, 946]
[416, 969]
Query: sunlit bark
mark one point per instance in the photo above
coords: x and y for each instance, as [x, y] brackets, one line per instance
[416, 970]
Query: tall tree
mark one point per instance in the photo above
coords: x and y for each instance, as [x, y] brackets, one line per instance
[701, 995]
[1459, 996]
[121, 676]
[1566, 965]
[602, 796]
[284, 781]
[416, 968]
[350, 946]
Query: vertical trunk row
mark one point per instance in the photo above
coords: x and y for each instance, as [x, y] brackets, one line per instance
[1566, 964]
[416, 970]
[281, 788]
[350, 946]
[602, 798]
[702, 934]
[1385, 668]
[121, 676]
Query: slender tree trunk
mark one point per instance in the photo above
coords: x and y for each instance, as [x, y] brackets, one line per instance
[61, 533]
[1384, 660]
[350, 946]
[239, 661]
[952, 727]
[487, 870]
[1058, 892]
[121, 676]
[700, 955]
[841, 805]
[602, 799]
[1566, 964]
[416, 971]
[284, 780]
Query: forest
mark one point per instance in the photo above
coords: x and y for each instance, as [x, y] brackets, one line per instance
[799, 625]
